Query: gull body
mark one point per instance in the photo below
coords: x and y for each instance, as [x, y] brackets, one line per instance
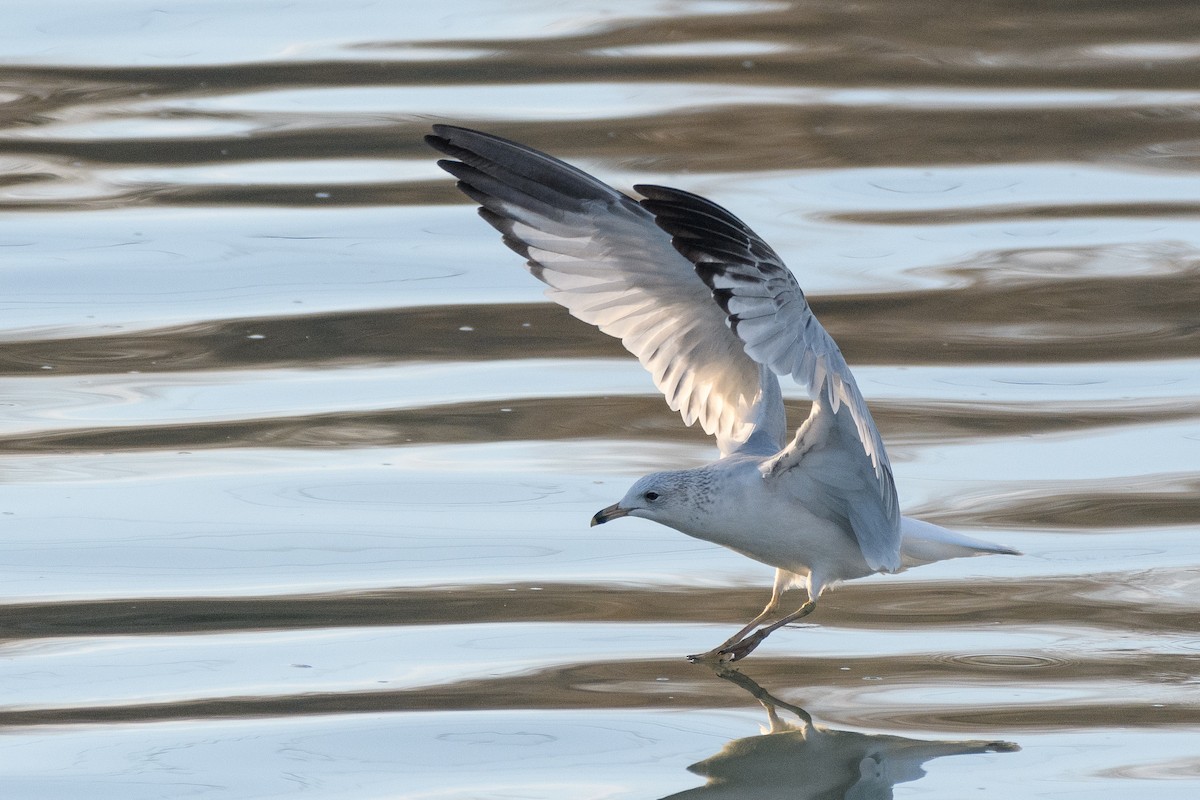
[770, 522]
[715, 316]
[765, 520]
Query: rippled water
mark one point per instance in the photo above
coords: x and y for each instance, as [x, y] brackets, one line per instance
[298, 464]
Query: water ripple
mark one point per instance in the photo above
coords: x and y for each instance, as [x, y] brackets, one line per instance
[292, 452]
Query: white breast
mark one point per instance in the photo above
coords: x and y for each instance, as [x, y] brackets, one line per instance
[759, 519]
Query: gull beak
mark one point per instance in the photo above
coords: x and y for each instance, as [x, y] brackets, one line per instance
[612, 512]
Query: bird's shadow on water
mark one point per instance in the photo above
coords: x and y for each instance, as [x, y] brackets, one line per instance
[798, 758]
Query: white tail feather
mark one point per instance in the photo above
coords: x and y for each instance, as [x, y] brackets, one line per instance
[924, 543]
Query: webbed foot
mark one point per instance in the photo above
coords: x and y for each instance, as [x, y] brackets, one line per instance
[736, 652]
[728, 653]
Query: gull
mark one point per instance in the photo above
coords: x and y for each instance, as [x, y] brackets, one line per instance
[716, 317]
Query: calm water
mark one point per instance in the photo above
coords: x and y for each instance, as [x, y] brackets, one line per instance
[298, 464]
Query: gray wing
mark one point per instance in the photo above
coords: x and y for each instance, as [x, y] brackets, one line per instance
[604, 258]
[767, 310]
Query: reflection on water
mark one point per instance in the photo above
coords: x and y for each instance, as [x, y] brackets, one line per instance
[802, 759]
[298, 464]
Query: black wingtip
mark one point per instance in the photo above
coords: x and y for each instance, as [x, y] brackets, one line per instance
[440, 140]
[518, 168]
[653, 192]
[459, 136]
[722, 297]
[708, 271]
[689, 203]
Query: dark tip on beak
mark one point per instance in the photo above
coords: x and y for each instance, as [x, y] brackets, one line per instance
[605, 514]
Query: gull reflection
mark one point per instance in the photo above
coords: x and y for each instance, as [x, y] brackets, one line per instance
[801, 759]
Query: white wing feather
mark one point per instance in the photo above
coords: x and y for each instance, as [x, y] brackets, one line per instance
[648, 274]
[603, 258]
[767, 310]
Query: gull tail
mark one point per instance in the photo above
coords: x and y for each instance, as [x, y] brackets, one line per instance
[924, 543]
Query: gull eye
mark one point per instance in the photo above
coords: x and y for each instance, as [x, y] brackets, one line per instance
[651, 496]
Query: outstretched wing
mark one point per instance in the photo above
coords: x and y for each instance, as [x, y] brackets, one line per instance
[604, 258]
[767, 310]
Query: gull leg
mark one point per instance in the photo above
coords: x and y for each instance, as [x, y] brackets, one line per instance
[783, 579]
[771, 607]
[746, 646]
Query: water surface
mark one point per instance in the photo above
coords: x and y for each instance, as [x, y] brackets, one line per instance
[298, 463]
